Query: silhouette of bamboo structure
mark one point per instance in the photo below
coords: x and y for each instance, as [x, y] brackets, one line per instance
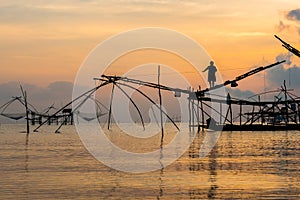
[289, 47]
[265, 115]
[198, 102]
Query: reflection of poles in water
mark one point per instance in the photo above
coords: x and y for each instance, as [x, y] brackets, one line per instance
[283, 148]
[26, 152]
[195, 163]
[27, 128]
[212, 173]
[161, 175]
[162, 138]
[230, 149]
[195, 140]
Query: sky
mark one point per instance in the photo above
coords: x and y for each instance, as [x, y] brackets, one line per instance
[43, 43]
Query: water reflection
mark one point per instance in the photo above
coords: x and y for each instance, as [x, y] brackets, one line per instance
[199, 165]
[161, 174]
[161, 185]
[26, 152]
[213, 173]
[229, 147]
[251, 165]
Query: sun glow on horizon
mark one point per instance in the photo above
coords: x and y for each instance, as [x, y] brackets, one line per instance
[47, 41]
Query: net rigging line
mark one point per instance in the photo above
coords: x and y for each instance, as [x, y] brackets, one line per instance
[14, 116]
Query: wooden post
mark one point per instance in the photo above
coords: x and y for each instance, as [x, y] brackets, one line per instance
[228, 101]
[110, 106]
[26, 109]
[240, 113]
[32, 118]
[189, 107]
[286, 105]
[160, 105]
[260, 110]
[230, 114]
[299, 113]
[27, 112]
[227, 113]
[202, 112]
[274, 116]
[198, 116]
[193, 115]
[221, 113]
[252, 115]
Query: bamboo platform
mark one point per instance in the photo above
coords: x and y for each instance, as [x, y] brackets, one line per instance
[253, 127]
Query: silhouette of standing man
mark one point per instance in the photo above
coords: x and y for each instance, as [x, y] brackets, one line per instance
[211, 73]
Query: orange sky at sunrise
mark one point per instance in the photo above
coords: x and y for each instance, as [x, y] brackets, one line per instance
[46, 41]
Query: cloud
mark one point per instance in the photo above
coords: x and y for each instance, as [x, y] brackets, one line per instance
[58, 93]
[77, 10]
[282, 26]
[291, 21]
[294, 15]
[240, 94]
[243, 34]
[287, 71]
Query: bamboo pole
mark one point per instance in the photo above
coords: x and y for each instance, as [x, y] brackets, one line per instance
[26, 109]
[160, 105]
[110, 105]
[147, 97]
[202, 112]
[193, 115]
[241, 114]
[189, 108]
[198, 116]
[134, 104]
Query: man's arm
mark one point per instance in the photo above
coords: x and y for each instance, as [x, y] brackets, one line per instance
[205, 69]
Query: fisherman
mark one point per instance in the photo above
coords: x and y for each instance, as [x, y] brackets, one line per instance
[211, 73]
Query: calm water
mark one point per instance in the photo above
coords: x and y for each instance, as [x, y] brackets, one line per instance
[255, 165]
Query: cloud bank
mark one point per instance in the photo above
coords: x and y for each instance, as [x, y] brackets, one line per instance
[57, 93]
[294, 15]
[291, 21]
[288, 71]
